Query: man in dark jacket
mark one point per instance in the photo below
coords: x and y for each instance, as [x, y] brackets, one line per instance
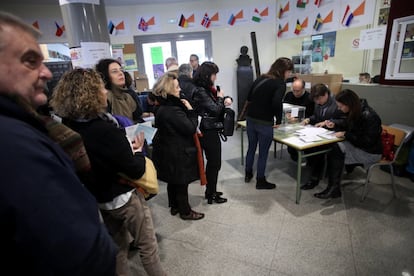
[185, 78]
[50, 221]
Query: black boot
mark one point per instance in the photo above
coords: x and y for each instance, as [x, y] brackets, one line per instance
[216, 199]
[329, 192]
[310, 184]
[248, 177]
[217, 193]
[335, 167]
[262, 184]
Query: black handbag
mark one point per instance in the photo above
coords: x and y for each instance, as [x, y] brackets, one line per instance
[211, 123]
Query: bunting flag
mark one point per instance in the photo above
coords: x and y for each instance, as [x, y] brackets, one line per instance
[319, 21]
[143, 25]
[183, 23]
[283, 10]
[302, 3]
[233, 18]
[206, 22]
[347, 18]
[59, 29]
[111, 27]
[258, 16]
[36, 25]
[215, 17]
[318, 3]
[299, 27]
[120, 26]
[282, 30]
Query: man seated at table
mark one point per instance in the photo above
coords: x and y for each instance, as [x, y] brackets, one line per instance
[298, 96]
[326, 112]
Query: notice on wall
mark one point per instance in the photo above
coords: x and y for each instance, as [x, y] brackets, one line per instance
[92, 52]
[372, 38]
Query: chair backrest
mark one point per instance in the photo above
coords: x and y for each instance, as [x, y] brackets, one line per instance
[399, 138]
[398, 133]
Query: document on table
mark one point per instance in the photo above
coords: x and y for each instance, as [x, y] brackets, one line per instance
[313, 134]
[146, 127]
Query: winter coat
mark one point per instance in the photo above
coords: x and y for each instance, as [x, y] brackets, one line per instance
[174, 153]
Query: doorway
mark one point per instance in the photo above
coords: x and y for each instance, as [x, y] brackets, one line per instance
[152, 50]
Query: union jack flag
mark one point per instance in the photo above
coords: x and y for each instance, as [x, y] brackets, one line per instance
[143, 26]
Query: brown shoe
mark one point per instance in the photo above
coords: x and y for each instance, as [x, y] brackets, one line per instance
[193, 215]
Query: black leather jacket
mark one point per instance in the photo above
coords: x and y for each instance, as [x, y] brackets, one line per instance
[206, 105]
[365, 132]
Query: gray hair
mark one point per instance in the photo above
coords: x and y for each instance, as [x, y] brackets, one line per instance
[8, 19]
[170, 61]
[185, 69]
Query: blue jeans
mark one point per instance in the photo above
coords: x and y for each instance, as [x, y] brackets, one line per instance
[262, 134]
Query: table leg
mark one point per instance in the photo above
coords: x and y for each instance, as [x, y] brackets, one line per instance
[298, 177]
[242, 145]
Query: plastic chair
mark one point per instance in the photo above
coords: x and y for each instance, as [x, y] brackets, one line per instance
[400, 136]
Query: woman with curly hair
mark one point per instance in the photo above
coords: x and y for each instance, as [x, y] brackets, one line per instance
[80, 99]
[209, 104]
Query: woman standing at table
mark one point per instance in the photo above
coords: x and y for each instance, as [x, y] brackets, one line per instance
[362, 143]
[265, 99]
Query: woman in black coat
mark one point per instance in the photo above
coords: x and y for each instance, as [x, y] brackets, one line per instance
[209, 104]
[174, 152]
[362, 143]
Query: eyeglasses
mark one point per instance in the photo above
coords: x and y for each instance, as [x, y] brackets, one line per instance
[116, 71]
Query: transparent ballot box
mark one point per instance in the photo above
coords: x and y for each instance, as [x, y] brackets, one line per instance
[293, 114]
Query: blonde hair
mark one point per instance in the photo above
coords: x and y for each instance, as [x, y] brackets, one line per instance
[78, 95]
[165, 85]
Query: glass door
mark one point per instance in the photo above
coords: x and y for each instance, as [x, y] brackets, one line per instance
[152, 50]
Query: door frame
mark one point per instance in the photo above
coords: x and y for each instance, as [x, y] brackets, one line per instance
[173, 38]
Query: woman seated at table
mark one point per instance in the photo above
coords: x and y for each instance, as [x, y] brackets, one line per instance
[362, 144]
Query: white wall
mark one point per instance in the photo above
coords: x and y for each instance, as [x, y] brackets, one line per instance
[226, 40]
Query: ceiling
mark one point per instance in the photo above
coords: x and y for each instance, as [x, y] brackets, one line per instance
[107, 2]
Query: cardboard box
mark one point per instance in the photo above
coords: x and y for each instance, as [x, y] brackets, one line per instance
[333, 81]
[141, 82]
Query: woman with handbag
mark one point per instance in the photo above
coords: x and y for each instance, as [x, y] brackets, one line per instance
[209, 104]
[265, 99]
[174, 151]
[80, 99]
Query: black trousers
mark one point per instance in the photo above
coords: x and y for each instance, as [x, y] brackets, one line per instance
[317, 162]
[178, 197]
[211, 144]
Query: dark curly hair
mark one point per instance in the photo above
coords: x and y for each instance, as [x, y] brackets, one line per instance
[103, 68]
[203, 74]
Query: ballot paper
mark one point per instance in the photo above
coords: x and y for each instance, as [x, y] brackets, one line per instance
[146, 127]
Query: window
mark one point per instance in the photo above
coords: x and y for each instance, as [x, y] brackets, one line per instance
[152, 50]
[400, 63]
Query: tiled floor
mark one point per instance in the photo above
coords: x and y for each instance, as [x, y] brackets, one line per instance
[263, 232]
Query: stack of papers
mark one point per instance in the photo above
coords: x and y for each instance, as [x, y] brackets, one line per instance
[313, 134]
[146, 127]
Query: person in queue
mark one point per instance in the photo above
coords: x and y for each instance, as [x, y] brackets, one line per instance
[176, 122]
[265, 99]
[194, 62]
[362, 144]
[326, 114]
[209, 104]
[185, 79]
[49, 219]
[80, 99]
[122, 100]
